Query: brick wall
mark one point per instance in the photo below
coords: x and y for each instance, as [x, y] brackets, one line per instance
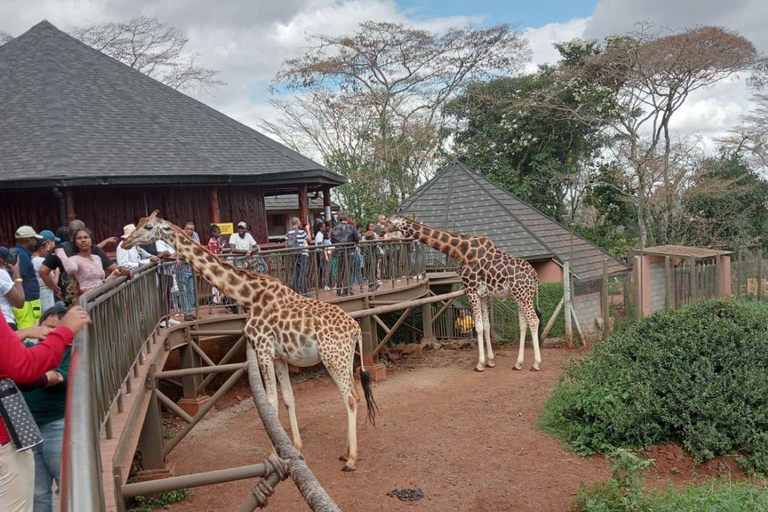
[587, 309]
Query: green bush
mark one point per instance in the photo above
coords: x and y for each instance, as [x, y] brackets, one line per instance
[697, 377]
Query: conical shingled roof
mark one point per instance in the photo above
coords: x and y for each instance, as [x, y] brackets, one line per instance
[461, 200]
[72, 115]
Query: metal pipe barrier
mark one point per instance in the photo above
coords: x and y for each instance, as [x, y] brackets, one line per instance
[126, 314]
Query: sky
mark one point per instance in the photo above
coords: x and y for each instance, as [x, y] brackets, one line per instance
[246, 40]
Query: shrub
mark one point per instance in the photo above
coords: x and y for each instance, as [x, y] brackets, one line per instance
[697, 377]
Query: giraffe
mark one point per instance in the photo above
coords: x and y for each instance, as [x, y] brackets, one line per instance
[487, 272]
[283, 327]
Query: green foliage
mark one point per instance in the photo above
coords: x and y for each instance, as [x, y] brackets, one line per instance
[613, 225]
[696, 377]
[516, 132]
[726, 206]
[623, 493]
[142, 504]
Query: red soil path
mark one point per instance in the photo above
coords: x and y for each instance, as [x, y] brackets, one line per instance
[468, 440]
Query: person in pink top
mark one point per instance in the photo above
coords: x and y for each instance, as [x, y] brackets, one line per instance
[86, 267]
[22, 364]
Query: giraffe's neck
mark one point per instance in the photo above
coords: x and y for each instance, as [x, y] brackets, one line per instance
[236, 284]
[438, 239]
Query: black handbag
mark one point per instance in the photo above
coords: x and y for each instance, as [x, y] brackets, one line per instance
[19, 423]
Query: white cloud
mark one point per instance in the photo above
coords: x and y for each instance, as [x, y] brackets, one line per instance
[541, 40]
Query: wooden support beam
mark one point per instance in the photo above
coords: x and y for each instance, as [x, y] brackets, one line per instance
[207, 360]
[171, 405]
[567, 302]
[303, 204]
[214, 211]
[442, 310]
[552, 319]
[224, 360]
[392, 331]
[381, 323]
[403, 305]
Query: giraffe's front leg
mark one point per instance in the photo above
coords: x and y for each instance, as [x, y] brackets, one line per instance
[486, 305]
[283, 376]
[267, 367]
[477, 313]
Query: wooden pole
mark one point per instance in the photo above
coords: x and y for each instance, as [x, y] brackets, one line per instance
[314, 494]
[739, 272]
[552, 319]
[694, 280]
[668, 282]
[759, 274]
[213, 206]
[567, 302]
[718, 288]
[606, 300]
[404, 305]
[303, 204]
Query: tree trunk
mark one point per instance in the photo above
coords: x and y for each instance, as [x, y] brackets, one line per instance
[314, 494]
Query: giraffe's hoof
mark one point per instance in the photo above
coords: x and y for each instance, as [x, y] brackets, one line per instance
[347, 469]
[490, 364]
[535, 369]
[479, 368]
[517, 367]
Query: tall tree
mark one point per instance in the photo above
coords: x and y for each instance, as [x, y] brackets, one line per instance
[726, 204]
[397, 77]
[153, 48]
[656, 73]
[525, 144]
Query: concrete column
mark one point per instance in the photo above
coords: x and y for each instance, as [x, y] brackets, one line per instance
[151, 441]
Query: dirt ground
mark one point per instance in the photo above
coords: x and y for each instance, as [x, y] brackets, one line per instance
[467, 440]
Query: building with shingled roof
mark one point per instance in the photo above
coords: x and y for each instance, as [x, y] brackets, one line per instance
[86, 136]
[462, 200]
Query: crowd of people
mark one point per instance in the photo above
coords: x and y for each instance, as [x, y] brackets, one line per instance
[43, 276]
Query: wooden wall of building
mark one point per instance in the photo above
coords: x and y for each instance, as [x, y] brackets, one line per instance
[107, 209]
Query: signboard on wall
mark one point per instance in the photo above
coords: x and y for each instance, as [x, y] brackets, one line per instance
[227, 228]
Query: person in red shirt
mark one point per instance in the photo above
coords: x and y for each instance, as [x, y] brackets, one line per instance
[22, 364]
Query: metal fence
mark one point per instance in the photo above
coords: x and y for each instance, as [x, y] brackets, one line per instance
[126, 313]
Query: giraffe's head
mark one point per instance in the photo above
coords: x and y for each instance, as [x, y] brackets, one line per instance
[149, 230]
[396, 222]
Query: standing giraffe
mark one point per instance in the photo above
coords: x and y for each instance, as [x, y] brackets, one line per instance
[283, 327]
[487, 273]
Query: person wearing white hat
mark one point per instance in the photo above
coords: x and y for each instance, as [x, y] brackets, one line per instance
[136, 256]
[30, 313]
[242, 243]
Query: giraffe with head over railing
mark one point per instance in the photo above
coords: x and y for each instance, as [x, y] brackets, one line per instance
[283, 327]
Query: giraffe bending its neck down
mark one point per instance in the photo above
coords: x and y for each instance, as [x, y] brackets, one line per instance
[487, 272]
[283, 327]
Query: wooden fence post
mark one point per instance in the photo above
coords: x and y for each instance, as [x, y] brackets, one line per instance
[606, 301]
[759, 274]
[694, 280]
[567, 302]
[668, 282]
[718, 288]
[739, 272]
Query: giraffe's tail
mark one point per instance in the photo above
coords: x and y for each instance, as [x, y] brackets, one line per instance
[365, 380]
[538, 312]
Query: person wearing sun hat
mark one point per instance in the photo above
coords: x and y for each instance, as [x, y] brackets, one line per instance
[30, 313]
[44, 246]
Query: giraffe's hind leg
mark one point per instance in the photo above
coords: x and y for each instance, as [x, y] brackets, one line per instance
[486, 305]
[533, 322]
[283, 376]
[523, 329]
[340, 370]
[477, 313]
